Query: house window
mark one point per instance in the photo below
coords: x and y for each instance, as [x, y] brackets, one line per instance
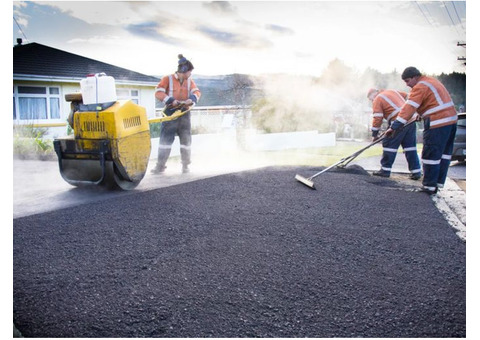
[36, 102]
[125, 94]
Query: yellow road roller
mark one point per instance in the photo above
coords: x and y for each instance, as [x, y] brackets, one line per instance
[110, 145]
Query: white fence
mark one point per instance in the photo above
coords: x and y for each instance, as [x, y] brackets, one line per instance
[228, 130]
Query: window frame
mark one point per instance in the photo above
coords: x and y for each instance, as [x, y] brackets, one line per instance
[130, 96]
[47, 96]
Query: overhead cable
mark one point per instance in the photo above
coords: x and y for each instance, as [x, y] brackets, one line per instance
[20, 28]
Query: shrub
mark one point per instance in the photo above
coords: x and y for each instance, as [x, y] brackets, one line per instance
[29, 142]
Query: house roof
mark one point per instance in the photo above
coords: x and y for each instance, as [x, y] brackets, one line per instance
[33, 61]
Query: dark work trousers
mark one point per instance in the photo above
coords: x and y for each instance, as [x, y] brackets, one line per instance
[407, 138]
[181, 127]
[437, 154]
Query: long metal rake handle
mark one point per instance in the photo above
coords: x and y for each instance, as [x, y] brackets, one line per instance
[380, 138]
[308, 181]
[349, 158]
[357, 153]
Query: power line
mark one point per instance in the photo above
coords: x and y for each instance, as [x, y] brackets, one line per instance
[423, 13]
[448, 12]
[20, 28]
[430, 19]
[458, 17]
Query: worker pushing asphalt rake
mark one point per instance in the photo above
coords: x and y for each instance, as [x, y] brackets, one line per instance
[344, 161]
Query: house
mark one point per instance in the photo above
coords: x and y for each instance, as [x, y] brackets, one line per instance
[42, 75]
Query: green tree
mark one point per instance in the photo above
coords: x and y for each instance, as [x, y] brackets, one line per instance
[456, 84]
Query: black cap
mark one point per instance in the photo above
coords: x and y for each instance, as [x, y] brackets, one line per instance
[411, 72]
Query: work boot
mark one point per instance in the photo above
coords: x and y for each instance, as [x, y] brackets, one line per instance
[158, 170]
[381, 173]
[428, 191]
[416, 176]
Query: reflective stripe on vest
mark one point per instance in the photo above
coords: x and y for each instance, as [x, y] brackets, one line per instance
[443, 120]
[441, 105]
[396, 109]
[170, 85]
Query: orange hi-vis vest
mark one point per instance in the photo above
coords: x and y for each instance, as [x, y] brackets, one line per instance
[431, 100]
[386, 105]
[170, 87]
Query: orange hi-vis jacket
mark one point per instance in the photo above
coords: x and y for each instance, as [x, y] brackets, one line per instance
[170, 88]
[386, 105]
[431, 100]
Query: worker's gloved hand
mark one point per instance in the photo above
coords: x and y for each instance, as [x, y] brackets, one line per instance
[175, 103]
[389, 132]
[374, 139]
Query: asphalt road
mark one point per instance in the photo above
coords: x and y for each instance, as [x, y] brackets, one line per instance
[248, 254]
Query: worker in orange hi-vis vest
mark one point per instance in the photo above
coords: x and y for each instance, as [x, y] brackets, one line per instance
[431, 100]
[176, 90]
[386, 105]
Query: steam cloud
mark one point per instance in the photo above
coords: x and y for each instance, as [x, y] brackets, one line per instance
[299, 103]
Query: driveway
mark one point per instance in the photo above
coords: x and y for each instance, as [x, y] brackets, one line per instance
[246, 254]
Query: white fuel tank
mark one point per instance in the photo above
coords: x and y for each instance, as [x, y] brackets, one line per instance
[98, 88]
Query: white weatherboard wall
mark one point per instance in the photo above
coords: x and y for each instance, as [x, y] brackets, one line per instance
[227, 141]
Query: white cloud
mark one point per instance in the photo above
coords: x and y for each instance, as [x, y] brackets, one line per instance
[261, 37]
[97, 12]
[18, 15]
[98, 40]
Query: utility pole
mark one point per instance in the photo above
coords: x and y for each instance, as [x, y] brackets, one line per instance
[464, 59]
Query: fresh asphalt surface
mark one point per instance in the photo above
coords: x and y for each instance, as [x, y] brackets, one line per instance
[248, 254]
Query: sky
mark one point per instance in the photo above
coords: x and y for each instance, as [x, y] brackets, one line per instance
[251, 37]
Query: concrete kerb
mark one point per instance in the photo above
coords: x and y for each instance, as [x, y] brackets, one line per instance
[451, 202]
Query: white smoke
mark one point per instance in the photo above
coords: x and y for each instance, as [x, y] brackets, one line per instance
[299, 103]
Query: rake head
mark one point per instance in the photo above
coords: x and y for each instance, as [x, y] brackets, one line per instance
[308, 182]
